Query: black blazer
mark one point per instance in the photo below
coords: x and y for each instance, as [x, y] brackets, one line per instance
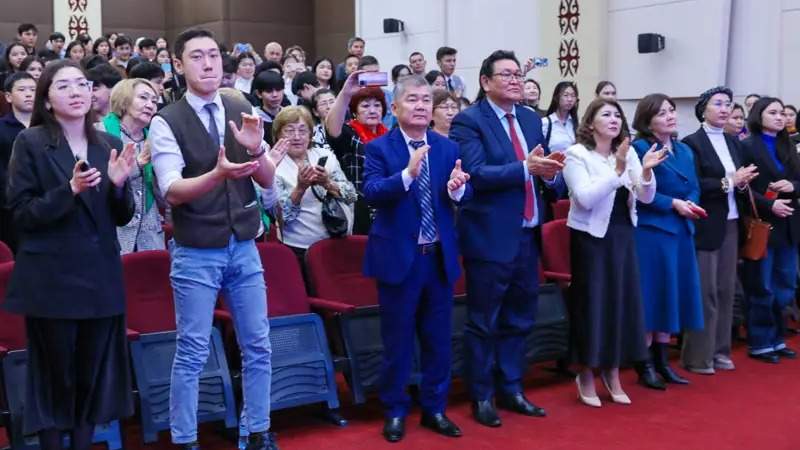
[786, 231]
[710, 232]
[68, 264]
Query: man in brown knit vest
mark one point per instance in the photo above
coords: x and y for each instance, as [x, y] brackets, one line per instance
[206, 169]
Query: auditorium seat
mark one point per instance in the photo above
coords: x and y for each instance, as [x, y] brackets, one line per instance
[555, 252]
[560, 209]
[350, 309]
[151, 323]
[302, 367]
[13, 362]
[6, 255]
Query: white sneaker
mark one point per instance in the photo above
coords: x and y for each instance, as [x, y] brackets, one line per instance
[722, 362]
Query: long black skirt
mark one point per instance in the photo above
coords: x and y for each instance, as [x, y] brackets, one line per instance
[78, 373]
[605, 296]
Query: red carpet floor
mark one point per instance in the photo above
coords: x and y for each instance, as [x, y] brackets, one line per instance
[755, 407]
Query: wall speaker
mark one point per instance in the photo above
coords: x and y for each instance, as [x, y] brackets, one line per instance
[393, 26]
[648, 42]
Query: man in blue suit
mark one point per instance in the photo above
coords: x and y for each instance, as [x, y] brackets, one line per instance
[501, 146]
[412, 176]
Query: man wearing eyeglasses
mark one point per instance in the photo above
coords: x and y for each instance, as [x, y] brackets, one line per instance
[503, 150]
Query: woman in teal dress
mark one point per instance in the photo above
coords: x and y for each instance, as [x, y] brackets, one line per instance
[664, 239]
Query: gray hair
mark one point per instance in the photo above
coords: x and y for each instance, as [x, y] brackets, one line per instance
[408, 82]
[353, 40]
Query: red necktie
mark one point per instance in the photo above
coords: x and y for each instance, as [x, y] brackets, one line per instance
[528, 212]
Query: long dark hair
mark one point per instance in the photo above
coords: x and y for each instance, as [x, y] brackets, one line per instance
[585, 135]
[45, 117]
[783, 144]
[559, 89]
[648, 108]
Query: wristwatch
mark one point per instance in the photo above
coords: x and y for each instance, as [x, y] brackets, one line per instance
[726, 185]
[261, 150]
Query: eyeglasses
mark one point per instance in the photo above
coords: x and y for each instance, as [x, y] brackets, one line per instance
[508, 76]
[79, 85]
[448, 107]
[300, 132]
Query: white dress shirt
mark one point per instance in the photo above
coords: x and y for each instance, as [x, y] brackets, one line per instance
[243, 84]
[563, 134]
[593, 182]
[408, 179]
[717, 138]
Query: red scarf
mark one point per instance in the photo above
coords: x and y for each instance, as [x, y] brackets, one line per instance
[365, 135]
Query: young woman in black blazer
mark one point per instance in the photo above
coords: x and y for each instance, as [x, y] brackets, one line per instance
[67, 280]
[770, 283]
[722, 177]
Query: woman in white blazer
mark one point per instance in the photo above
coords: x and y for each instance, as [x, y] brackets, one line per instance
[605, 179]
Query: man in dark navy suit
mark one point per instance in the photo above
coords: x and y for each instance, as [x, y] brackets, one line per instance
[412, 177]
[501, 146]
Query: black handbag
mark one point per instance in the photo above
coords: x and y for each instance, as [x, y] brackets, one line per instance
[333, 215]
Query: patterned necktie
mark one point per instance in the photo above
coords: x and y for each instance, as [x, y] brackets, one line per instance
[529, 200]
[428, 228]
[213, 131]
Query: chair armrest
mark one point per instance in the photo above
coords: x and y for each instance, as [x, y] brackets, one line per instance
[223, 316]
[330, 305]
[3, 351]
[132, 335]
[557, 276]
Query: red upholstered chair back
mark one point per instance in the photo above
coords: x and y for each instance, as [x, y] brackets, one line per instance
[12, 326]
[555, 246]
[148, 291]
[560, 209]
[286, 293]
[6, 255]
[335, 271]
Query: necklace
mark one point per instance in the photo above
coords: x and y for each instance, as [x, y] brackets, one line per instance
[126, 133]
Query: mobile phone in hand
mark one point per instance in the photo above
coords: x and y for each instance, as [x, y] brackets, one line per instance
[84, 166]
[373, 79]
[322, 161]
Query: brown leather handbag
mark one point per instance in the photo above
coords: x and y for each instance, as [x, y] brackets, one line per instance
[756, 234]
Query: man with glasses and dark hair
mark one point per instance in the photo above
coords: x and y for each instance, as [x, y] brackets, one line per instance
[502, 150]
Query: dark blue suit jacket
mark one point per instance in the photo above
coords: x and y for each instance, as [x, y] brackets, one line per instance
[393, 238]
[490, 224]
[675, 178]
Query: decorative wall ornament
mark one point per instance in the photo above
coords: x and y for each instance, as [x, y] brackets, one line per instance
[76, 17]
[569, 16]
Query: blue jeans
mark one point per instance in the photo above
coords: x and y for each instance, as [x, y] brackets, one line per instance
[770, 286]
[198, 275]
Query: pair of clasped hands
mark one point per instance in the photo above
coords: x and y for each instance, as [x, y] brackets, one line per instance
[537, 164]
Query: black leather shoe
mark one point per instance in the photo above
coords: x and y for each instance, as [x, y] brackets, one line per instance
[662, 365]
[786, 352]
[518, 403]
[191, 446]
[648, 376]
[440, 424]
[261, 441]
[483, 411]
[770, 357]
[394, 428]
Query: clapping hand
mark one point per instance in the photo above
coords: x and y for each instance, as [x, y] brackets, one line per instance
[785, 186]
[744, 175]
[278, 151]
[458, 177]
[119, 166]
[653, 157]
[415, 161]
[542, 166]
[233, 171]
[251, 134]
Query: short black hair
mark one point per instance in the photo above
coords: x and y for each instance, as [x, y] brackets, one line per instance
[415, 54]
[14, 77]
[84, 39]
[268, 65]
[30, 59]
[396, 71]
[46, 55]
[104, 74]
[317, 95]
[445, 51]
[147, 70]
[188, 35]
[97, 43]
[432, 75]
[368, 60]
[91, 61]
[23, 27]
[133, 62]
[242, 57]
[56, 36]
[353, 40]
[122, 40]
[229, 64]
[487, 66]
[146, 43]
[757, 96]
[302, 79]
[268, 81]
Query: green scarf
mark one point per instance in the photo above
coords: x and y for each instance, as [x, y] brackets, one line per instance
[114, 127]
